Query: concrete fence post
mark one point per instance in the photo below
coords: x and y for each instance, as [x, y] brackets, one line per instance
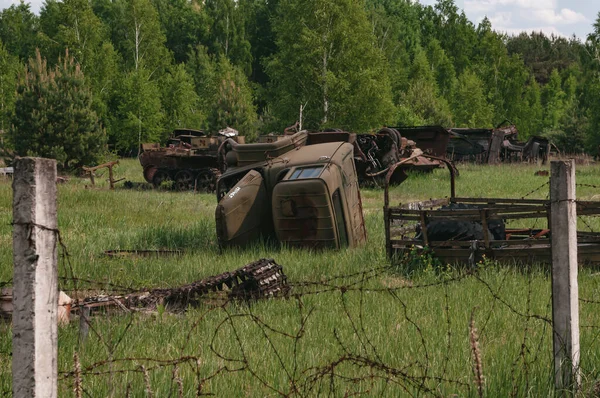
[565, 295]
[35, 281]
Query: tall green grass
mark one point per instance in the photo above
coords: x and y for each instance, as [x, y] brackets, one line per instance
[385, 333]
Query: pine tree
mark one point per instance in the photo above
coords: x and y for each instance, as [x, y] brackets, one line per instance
[54, 116]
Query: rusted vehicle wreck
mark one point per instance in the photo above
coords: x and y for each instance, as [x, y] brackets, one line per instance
[478, 145]
[301, 195]
[189, 160]
[374, 153]
[464, 230]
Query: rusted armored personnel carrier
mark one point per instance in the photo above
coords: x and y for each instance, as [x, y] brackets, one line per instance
[189, 160]
[302, 195]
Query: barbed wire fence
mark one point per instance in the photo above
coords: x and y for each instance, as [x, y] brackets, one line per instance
[361, 364]
[360, 368]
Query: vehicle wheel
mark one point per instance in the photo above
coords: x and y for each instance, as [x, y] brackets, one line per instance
[159, 177]
[393, 134]
[206, 181]
[149, 172]
[184, 180]
[444, 230]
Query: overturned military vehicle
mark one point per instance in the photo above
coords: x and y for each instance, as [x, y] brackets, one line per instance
[302, 195]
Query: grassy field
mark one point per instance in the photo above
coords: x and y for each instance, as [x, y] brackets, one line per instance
[360, 328]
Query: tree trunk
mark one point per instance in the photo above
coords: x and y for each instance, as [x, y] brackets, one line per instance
[325, 100]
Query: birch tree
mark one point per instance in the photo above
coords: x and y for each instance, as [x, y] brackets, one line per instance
[328, 61]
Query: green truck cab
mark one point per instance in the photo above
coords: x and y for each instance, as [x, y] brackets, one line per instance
[302, 195]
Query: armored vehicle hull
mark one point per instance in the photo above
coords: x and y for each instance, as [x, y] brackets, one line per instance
[189, 161]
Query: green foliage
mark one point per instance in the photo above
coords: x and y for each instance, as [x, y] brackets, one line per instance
[469, 105]
[54, 117]
[232, 106]
[421, 105]
[18, 29]
[570, 138]
[179, 100]
[9, 68]
[73, 24]
[531, 117]
[553, 99]
[141, 39]
[442, 67]
[351, 64]
[328, 63]
[203, 70]
[421, 69]
[259, 33]
[543, 54]
[418, 260]
[139, 116]
[592, 99]
[185, 24]
[227, 33]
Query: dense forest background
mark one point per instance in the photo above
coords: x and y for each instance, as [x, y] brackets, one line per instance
[118, 72]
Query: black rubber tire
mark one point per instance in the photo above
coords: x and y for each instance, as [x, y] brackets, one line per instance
[454, 230]
[394, 135]
[445, 230]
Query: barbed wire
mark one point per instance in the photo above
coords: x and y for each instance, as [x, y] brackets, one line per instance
[359, 368]
[587, 185]
[536, 189]
[412, 378]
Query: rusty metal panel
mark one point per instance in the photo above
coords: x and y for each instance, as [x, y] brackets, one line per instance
[430, 139]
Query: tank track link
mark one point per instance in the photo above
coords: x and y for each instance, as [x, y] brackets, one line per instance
[260, 279]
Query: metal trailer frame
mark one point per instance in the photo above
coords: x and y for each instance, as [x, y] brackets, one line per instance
[525, 246]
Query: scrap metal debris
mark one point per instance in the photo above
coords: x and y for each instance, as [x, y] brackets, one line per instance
[478, 145]
[91, 173]
[467, 230]
[141, 253]
[261, 279]
[375, 153]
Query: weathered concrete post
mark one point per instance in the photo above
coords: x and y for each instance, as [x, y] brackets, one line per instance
[565, 295]
[35, 287]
